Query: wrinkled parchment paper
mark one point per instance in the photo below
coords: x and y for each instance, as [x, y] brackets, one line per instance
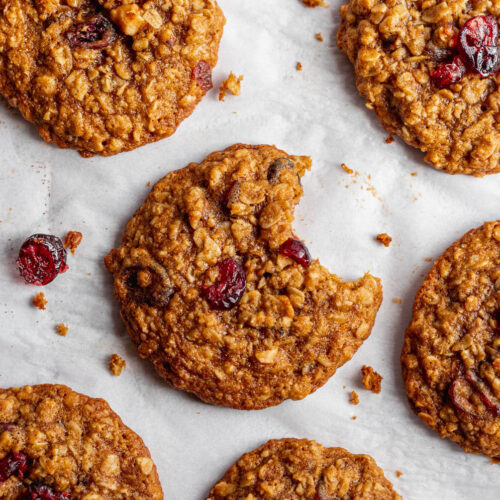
[315, 112]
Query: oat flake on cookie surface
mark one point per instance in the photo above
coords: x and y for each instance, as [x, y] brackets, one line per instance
[56, 444]
[299, 469]
[104, 76]
[405, 56]
[451, 352]
[217, 291]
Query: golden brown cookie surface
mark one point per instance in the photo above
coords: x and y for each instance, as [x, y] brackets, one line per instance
[287, 324]
[394, 46]
[104, 76]
[301, 469]
[451, 353]
[57, 442]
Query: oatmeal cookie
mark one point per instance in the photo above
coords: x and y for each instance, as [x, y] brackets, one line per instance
[220, 295]
[58, 444]
[287, 469]
[451, 352]
[413, 68]
[104, 76]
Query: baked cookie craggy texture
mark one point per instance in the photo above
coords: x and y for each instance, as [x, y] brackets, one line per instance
[289, 469]
[293, 324]
[72, 446]
[104, 76]
[393, 45]
[451, 352]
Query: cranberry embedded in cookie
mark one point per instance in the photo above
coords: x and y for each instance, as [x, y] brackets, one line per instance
[249, 318]
[451, 353]
[56, 444]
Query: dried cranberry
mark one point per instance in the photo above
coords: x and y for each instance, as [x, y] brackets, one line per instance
[296, 250]
[477, 42]
[461, 390]
[41, 258]
[202, 73]
[96, 33]
[43, 492]
[448, 73]
[14, 464]
[227, 292]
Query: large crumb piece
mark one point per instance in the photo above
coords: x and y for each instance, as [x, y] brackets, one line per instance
[399, 473]
[319, 37]
[72, 240]
[354, 398]
[62, 330]
[231, 84]
[384, 238]
[315, 3]
[116, 365]
[40, 301]
[299, 66]
[372, 381]
[346, 168]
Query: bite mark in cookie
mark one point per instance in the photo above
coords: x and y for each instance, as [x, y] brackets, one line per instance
[430, 73]
[217, 291]
[105, 76]
[299, 469]
[451, 353]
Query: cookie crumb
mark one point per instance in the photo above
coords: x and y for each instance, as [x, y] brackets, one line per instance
[354, 398]
[414, 174]
[384, 238]
[299, 66]
[354, 417]
[399, 473]
[397, 300]
[319, 37]
[389, 139]
[372, 381]
[428, 259]
[231, 84]
[116, 365]
[346, 168]
[40, 301]
[315, 3]
[62, 330]
[72, 240]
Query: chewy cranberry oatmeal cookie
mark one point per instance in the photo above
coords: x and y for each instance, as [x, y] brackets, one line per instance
[430, 71]
[56, 444]
[220, 295]
[288, 469]
[104, 76]
[451, 353]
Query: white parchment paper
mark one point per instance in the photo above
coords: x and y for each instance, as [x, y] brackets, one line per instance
[315, 112]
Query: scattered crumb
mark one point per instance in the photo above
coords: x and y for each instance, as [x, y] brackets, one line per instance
[397, 300]
[116, 365]
[384, 238]
[40, 301]
[343, 387]
[372, 381]
[315, 3]
[354, 417]
[62, 330]
[414, 174]
[232, 84]
[399, 473]
[73, 239]
[148, 184]
[346, 168]
[389, 139]
[299, 66]
[319, 37]
[354, 398]
[428, 259]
